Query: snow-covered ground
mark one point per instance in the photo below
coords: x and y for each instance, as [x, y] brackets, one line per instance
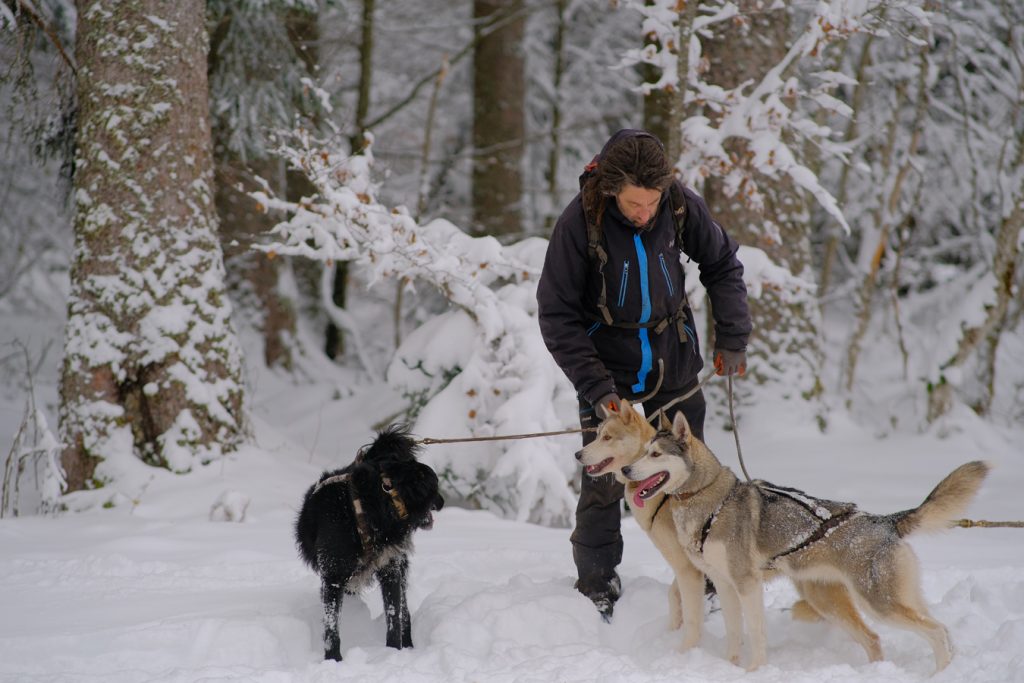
[145, 586]
[148, 588]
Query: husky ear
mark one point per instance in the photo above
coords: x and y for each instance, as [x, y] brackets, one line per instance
[680, 427]
[662, 421]
[625, 409]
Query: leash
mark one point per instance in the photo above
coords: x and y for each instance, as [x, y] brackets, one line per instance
[968, 523]
[735, 429]
[732, 413]
[427, 441]
[680, 399]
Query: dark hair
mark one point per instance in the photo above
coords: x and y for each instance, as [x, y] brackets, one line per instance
[638, 160]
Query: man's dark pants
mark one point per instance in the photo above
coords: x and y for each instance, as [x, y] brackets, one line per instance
[597, 538]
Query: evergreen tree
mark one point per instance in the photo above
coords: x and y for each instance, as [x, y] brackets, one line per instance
[151, 362]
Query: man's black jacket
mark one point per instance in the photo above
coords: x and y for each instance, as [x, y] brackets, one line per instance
[644, 280]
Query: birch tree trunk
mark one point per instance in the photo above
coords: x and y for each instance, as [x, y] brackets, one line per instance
[151, 363]
[787, 326]
[983, 339]
[893, 208]
[498, 116]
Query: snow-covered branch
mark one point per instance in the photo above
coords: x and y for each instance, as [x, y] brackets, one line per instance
[496, 379]
[760, 117]
[346, 223]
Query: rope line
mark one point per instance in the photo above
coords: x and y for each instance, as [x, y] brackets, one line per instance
[427, 441]
[688, 394]
[964, 523]
[968, 523]
[534, 435]
[735, 429]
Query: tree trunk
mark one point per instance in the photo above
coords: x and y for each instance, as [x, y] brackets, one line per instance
[666, 109]
[555, 151]
[787, 326]
[498, 123]
[304, 34]
[151, 363]
[334, 341]
[984, 339]
[658, 105]
[253, 279]
[891, 212]
[849, 136]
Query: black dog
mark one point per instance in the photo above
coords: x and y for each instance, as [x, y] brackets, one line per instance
[356, 523]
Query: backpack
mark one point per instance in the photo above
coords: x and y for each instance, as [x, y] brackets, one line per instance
[677, 203]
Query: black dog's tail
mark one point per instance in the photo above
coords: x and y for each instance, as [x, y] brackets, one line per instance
[305, 531]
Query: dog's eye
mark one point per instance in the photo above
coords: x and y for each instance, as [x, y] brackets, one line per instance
[606, 437]
[655, 454]
[386, 485]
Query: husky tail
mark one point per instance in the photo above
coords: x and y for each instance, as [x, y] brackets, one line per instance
[946, 502]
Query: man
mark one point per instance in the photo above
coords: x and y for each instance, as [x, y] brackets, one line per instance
[614, 315]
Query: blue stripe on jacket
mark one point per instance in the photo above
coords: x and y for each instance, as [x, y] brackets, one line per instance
[645, 316]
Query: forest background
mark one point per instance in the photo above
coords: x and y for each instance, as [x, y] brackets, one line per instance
[207, 194]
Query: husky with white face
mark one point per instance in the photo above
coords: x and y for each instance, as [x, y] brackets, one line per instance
[743, 533]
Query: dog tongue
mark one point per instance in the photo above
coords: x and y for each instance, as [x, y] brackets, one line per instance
[646, 484]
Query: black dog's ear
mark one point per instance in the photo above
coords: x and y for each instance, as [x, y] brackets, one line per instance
[394, 442]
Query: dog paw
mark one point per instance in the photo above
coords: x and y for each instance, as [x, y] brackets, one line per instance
[690, 639]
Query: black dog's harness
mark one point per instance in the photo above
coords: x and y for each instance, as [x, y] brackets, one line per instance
[362, 526]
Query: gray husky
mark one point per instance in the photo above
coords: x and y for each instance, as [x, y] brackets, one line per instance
[743, 533]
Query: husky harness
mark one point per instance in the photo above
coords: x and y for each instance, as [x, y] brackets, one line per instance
[830, 515]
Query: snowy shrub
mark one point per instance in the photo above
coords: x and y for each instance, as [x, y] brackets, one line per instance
[506, 382]
[33, 480]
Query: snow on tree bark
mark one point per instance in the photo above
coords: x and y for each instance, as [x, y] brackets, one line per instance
[151, 363]
[787, 342]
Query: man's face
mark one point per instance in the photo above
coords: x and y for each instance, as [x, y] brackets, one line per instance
[638, 204]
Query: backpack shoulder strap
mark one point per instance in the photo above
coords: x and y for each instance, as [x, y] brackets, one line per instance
[595, 250]
[677, 201]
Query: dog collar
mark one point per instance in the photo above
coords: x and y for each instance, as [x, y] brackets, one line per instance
[362, 526]
[396, 499]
